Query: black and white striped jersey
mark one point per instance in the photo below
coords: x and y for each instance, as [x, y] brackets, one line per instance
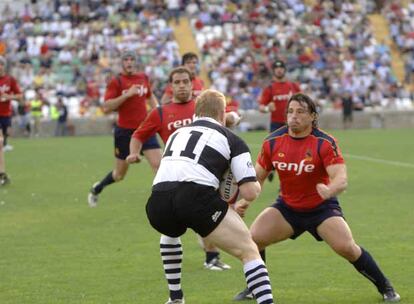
[201, 152]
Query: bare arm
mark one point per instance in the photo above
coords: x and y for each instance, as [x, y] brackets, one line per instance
[338, 181]
[135, 147]
[17, 97]
[250, 190]
[242, 205]
[152, 101]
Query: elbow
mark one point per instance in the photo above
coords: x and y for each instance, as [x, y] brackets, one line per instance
[344, 184]
[106, 110]
[251, 192]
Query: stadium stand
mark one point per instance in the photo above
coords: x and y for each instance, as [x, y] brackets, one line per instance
[328, 47]
[69, 48]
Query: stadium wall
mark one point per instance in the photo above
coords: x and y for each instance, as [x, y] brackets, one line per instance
[251, 120]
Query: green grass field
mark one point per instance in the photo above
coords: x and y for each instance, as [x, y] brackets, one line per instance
[55, 249]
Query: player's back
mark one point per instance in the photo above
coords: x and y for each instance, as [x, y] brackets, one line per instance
[196, 153]
[202, 152]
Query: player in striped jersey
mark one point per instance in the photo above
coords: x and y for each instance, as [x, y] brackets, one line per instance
[312, 173]
[164, 120]
[184, 194]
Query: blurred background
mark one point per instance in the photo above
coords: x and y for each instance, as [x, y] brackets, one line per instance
[68, 50]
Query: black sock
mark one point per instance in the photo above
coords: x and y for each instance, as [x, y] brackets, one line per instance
[369, 269]
[263, 255]
[210, 255]
[108, 179]
[176, 294]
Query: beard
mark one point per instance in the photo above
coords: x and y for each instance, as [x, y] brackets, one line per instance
[183, 97]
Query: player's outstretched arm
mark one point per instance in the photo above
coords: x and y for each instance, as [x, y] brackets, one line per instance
[242, 205]
[338, 181]
[249, 192]
[17, 97]
[135, 147]
[152, 102]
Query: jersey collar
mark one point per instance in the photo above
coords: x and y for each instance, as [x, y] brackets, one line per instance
[208, 119]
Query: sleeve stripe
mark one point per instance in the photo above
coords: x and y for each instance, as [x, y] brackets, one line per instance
[247, 179]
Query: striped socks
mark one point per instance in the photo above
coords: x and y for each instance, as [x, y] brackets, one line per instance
[258, 281]
[172, 256]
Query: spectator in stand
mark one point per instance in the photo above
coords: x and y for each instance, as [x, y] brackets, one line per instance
[62, 119]
[174, 8]
[23, 117]
[347, 109]
[36, 112]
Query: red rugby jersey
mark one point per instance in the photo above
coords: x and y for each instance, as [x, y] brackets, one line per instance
[133, 111]
[165, 119]
[300, 164]
[279, 93]
[198, 87]
[8, 85]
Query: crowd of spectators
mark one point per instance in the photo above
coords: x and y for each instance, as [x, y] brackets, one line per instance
[401, 24]
[70, 48]
[329, 49]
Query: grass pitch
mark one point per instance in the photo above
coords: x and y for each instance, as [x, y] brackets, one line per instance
[55, 249]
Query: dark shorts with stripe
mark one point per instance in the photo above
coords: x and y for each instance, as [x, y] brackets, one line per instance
[122, 138]
[309, 220]
[5, 123]
[175, 206]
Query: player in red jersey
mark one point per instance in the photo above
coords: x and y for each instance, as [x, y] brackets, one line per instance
[164, 120]
[190, 61]
[9, 90]
[167, 118]
[128, 94]
[274, 98]
[312, 173]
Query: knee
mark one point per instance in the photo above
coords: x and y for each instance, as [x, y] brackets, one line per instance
[209, 246]
[118, 176]
[249, 253]
[348, 250]
[259, 239]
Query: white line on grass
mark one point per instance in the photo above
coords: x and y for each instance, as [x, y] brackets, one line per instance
[367, 158]
[381, 161]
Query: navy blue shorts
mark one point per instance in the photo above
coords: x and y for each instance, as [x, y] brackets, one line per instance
[5, 123]
[309, 220]
[175, 206]
[122, 138]
[276, 125]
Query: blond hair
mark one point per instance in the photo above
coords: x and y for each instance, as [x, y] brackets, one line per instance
[210, 103]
